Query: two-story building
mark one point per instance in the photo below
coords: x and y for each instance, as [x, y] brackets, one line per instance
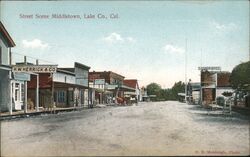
[109, 87]
[135, 95]
[81, 94]
[213, 84]
[6, 43]
[67, 87]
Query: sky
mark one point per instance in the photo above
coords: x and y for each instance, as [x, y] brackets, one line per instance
[151, 41]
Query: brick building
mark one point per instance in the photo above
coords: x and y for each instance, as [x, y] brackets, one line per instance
[108, 86]
[213, 84]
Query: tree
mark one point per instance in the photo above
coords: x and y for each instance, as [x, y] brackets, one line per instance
[165, 94]
[178, 87]
[240, 76]
[154, 89]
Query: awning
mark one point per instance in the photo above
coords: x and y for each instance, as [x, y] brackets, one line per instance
[21, 76]
[5, 67]
[67, 85]
[181, 94]
[126, 88]
[121, 88]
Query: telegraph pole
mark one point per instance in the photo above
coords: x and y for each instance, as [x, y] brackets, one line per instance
[200, 81]
[186, 72]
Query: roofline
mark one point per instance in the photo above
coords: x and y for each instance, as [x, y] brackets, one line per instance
[133, 80]
[65, 71]
[106, 72]
[130, 79]
[224, 72]
[116, 74]
[6, 35]
[82, 65]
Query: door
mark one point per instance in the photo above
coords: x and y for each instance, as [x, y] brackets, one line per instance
[18, 95]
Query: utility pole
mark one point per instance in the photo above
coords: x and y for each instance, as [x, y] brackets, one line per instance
[186, 72]
[201, 82]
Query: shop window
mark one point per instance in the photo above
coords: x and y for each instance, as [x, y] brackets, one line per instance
[22, 92]
[17, 92]
[61, 96]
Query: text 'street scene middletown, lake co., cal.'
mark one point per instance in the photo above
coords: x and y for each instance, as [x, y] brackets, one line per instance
[125, 78]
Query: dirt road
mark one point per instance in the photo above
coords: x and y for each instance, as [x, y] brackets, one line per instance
[162, 128]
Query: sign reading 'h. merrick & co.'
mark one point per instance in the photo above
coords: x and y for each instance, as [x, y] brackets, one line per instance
[35, 68]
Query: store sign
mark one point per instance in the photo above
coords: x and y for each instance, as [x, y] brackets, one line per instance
[110, 87]
[99, 81]
[209, 68]
[21, 76]
[35, 68]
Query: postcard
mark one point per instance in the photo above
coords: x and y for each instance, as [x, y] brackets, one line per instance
[125, 78]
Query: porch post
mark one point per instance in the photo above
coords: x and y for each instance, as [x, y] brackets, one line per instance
[52, 92]
[74, 97]
[37, 92]
[11, 94]
[25, 97]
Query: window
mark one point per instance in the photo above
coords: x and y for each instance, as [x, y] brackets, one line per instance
[22, 92]
[17, 94]
[19, 91]
[61, 96]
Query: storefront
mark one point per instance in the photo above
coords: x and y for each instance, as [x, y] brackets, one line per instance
[19, 90]
[61, 88]
[6, 43]
[5, 89]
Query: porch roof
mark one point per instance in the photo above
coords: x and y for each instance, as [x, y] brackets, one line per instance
[68, 85]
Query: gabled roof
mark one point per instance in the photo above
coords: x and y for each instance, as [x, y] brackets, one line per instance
[131, 83]
[6, 36]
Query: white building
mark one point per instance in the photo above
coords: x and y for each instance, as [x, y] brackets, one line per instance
[6, 43]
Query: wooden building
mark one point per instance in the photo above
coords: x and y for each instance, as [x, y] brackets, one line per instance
[67, 87]
[6, 43]
[133, 95]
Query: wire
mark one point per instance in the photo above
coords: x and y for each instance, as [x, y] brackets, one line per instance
[33, 57]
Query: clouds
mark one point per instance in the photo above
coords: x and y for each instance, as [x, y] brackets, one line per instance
[223, 27]
[172, 49]
[35, 44]
[117, 38]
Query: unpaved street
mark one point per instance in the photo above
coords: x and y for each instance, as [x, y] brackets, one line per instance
[162, 128]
